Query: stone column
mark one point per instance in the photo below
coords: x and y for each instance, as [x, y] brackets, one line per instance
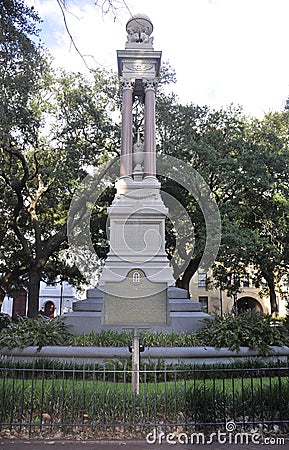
[126, 129]
[149, 129]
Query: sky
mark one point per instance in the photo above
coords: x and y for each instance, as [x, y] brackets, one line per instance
[223, 51]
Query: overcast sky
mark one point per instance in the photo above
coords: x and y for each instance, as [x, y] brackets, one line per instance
[223, 51]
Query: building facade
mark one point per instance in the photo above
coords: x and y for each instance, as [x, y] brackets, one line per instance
[217, 301]
[53, 300]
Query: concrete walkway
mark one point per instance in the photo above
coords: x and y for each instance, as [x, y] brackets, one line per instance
[33, 444]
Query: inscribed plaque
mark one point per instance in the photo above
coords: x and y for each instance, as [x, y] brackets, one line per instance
[135, 302]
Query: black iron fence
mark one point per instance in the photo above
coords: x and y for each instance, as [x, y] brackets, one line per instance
[99, 400]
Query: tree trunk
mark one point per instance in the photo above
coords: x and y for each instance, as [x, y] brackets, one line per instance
[33, 291]
[2, 296]
[269, 277]
[184, 281]
[273, 300]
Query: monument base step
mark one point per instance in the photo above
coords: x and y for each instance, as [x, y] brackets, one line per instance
[185, 314]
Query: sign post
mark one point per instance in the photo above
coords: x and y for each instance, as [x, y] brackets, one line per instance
[135, 361]
[135, 305]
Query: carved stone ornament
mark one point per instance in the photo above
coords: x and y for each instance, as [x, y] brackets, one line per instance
[126, 84]
[150, 84]
[139, 29]
[138, 67]
[141, 194]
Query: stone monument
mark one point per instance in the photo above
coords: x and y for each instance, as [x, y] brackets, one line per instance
[136, 288]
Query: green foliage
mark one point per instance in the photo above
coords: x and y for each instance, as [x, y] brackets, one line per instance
[38, 178]
[162, 339]
[245, 163]
[5, 320]
[20, 70]
[104, 338]
[255, 217]
[257, 399]
[36, 332]
[52, 127]
[112, 338]
[248, 329]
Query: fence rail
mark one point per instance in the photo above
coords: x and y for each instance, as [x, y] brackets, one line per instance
[100, 401]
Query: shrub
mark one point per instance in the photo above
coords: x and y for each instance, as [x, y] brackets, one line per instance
[110, 338]
[39, 332]
[105, 338]
[4, 320]
[248, 329]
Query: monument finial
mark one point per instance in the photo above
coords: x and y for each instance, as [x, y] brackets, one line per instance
[139, 29]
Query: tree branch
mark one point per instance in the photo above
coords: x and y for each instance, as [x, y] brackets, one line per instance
[51, 245]
[32, 211]
[62, 7]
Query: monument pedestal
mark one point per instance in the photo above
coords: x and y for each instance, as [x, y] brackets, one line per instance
[136, 286]
[185, 315]
[137, 232]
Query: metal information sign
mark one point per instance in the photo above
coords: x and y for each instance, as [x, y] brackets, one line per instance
[135, 302]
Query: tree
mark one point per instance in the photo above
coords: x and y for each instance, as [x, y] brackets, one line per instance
[42, 166]
[40, 180]
[207, 140]
[256, 230]
[245, 163]
[21, 69]
[51, 128]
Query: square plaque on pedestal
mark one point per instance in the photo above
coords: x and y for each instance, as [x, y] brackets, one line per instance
[135, 302]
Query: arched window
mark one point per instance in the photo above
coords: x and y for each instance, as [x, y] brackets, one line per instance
[136, 277]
